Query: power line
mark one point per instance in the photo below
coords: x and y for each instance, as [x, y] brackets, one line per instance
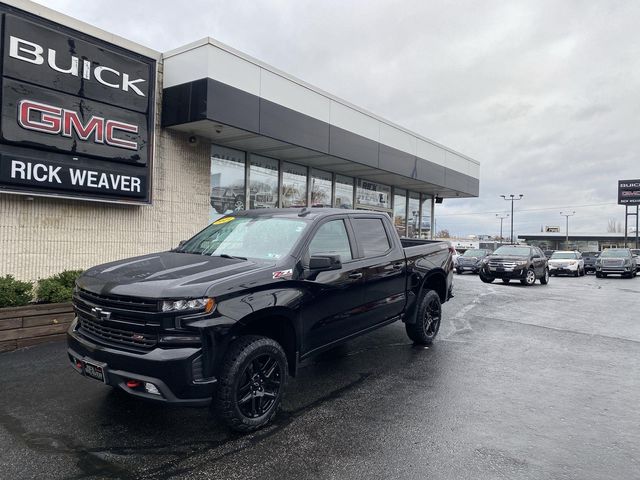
[526, 210]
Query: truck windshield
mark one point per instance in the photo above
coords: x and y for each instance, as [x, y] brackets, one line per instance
[563, 256]
[265, 238]
[513, 251]
[474, 252]
[615, 253]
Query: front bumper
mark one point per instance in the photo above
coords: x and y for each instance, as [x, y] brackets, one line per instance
[173, 371]
[518, 272]
[556, 269]
[468, 268]
[622, 270]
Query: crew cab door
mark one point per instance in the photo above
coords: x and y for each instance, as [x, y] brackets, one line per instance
[336, 296]
[384, 267]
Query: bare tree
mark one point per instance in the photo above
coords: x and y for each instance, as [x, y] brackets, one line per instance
[443, 234]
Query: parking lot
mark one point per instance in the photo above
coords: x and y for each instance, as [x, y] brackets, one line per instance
[523, 382]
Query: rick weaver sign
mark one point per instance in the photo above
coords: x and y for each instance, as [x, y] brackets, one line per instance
[76, 114]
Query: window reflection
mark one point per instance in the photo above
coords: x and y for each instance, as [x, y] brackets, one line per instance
[263, 182]
[344, 192]
[294, 185]
[320, 188]
[226, 181]
[413, 214]
[425, 226]
[371, 194]
[400, 211]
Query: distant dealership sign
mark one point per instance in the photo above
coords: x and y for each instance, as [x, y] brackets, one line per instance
[629, 192]
[77, 113]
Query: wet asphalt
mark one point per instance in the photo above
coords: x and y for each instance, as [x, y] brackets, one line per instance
[537, 382]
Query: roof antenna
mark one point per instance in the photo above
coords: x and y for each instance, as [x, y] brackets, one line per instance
[304, 212]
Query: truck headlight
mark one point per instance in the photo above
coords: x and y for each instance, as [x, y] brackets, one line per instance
[205, 304]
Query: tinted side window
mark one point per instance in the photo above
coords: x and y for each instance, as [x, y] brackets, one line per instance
[331, 239]
[371, 236]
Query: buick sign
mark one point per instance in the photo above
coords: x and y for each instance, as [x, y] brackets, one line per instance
[77, 113]
[629, 192]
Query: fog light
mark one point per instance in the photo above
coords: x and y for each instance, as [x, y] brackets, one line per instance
[151, 388]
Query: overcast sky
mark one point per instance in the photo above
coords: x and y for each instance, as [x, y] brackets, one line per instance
[543, 93]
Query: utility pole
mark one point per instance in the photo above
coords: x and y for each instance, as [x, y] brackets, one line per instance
[567, 215]
[501, 217]
[511, 198]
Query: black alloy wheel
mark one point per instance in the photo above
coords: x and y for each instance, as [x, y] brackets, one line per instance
[251, 385]
[428, 317]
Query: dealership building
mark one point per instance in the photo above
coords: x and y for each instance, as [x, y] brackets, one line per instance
[109, 149]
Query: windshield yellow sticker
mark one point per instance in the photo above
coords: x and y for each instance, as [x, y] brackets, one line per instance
[222, 220]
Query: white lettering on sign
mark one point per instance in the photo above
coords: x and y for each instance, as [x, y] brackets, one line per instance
[38, 172]
[30, 52]
[43, 173]
[53, 120]
[106, 181]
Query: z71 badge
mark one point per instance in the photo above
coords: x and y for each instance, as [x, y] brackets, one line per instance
[283, 273]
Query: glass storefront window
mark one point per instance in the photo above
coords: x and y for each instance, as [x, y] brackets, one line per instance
[371, 195]
[400, 211]
[294, 185]
[263, 182]
[344, 192]
[413, 214]
[226, 181]
[425, 226]
[320, 188]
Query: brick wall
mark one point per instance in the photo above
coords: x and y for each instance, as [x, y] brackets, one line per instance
[43, 236]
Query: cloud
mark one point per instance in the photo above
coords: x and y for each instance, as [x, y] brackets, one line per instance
[543, 93]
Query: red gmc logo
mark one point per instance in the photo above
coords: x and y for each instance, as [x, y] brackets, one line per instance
[53, 120]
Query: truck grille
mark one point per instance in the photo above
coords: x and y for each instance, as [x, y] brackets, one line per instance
[94, 330]
[612, 262]
[116, 301]
[467, 261]
[494, 264]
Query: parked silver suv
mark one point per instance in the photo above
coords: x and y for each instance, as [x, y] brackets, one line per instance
[617, 261]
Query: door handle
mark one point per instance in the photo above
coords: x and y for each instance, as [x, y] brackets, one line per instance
[355, 276]
[398, 266]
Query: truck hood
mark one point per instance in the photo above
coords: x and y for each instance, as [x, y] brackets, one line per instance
[166, 275]
[505, 258]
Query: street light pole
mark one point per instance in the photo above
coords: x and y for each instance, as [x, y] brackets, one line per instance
[567, 215]
[501, 217]
[511, 198]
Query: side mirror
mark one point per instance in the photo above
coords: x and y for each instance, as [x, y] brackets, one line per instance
[322, 263]
[181, 244]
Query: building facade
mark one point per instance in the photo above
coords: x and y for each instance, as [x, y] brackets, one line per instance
[110, 149]
[583, 242]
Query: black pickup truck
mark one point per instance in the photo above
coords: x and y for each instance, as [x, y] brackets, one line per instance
[227, 316]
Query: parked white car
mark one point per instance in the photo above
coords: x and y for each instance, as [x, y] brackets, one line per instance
[568, 262]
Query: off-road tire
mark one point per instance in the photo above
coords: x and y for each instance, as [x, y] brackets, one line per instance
[239, 358]
[428, 318]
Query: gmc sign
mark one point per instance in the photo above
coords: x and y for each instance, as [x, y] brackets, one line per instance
[77, 113]
[629, 192]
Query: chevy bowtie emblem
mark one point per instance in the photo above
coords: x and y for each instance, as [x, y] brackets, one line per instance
[100, 314]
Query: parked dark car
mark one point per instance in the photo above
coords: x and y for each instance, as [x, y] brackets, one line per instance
[227, 316]
[471, 260]
[616, 261]
[590, 261]
[519, 262]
